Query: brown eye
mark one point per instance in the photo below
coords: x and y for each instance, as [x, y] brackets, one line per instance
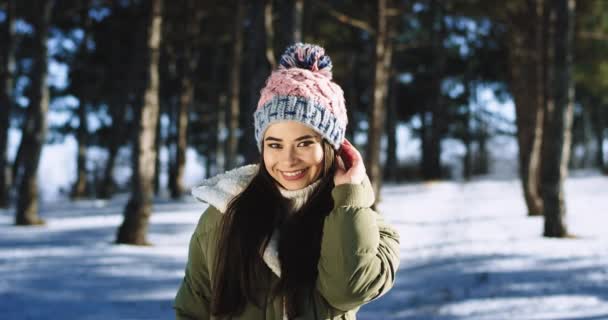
[273, 145]
[305, 143]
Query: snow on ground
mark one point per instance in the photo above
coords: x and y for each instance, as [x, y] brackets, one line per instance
[467, 252]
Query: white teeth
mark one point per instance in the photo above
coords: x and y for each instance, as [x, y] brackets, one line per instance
[293, 174]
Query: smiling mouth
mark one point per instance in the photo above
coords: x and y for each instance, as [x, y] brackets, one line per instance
[293, 175]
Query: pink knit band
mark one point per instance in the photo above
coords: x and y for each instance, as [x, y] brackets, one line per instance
[305, 72]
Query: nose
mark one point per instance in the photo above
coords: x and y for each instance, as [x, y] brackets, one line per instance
[290, 155]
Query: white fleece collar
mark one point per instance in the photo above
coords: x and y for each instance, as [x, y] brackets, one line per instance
[221, 189]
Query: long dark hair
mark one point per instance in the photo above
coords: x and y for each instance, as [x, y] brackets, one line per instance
[246, 227]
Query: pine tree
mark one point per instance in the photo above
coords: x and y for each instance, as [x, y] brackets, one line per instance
[34, 127]
[139, 207]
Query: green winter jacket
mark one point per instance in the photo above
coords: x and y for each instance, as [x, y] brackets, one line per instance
[358, 262]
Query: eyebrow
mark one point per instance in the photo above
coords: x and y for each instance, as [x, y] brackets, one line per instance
[308, 136]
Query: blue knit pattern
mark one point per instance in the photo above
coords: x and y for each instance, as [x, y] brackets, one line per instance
[305, 56]
[301, 109]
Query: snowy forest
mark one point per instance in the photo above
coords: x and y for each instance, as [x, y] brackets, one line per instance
[483, 126]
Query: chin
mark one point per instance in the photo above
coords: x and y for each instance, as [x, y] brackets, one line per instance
[289, 185]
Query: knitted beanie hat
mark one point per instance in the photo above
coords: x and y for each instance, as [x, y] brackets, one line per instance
[301, 90]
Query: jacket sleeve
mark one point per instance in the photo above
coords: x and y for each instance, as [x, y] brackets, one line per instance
[359, 252]
[193, 297]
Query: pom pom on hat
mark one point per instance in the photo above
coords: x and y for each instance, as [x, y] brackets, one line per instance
[301, 90]
[306, 56]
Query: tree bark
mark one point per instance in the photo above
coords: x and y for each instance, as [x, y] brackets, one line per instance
[118, 133]
[169, 74]
[235, 88]
[158, 144]
[527, 87]
[7, 69]
[598, 133]
[467, 136]
[558, 121]
[352, 96]
[120, 105]
[220, 151]
[298, 13]
[16, 168]
[106, 189]
[291, 19]
[187, 63]
[139, 207]
[216, 154]
[80, 186]
[390, 169]
[185, 101]
[82, 133]
[587, 140]
[259, 65]
[433, 119]
[269, 34]
[34, 129]
[482, 165]
[383, 55]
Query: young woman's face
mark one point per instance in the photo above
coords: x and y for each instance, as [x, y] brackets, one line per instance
[293, 154]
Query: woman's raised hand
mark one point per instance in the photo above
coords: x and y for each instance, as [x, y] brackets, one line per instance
[350, 167]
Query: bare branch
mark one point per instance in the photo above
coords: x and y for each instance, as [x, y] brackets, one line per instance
[592, 35]
[342, 17]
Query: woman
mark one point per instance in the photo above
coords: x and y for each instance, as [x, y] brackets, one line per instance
[293, 237]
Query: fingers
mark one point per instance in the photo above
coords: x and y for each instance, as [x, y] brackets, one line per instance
[344, 158]
[346, 145]
[351, 154]
[340, 163]
[351, 167]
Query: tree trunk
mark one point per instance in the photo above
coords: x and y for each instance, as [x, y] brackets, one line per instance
[34, 129]
[390, 169]
[187, 63]
[598, 133]
[80, 185]
[259, 65]
[169, 74]
[467, 167]
[558, 121]
[220, 152]
[139, 208]
[269, 34]
[467, 136]
[526, 82]
[158, 144]
[7, 66]
[17, 168]
[482, 165]
[120, 105]
[216, 154]
[235, 88]
[185, 101]
[298, 13]
[352, 96]
[290, 19]
[117, 132]
[383, 55]
[106, 189]
[587, 135]
[433, 119]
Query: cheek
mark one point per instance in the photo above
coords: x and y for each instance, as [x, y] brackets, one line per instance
[316, 156]
[317, 161]
[268, 162]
